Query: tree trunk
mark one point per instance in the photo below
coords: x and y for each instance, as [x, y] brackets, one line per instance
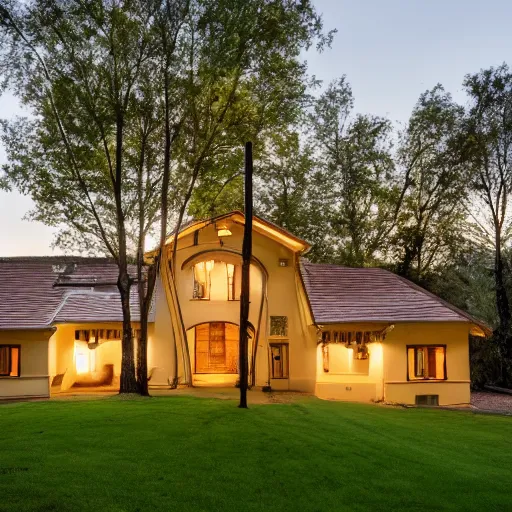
[502, 301]
[142, 357]
[145, 289]
[245, 292]
[128, 383]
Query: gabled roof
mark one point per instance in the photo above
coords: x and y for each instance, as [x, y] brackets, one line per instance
[339, 294]
[260, 225]
[37, 292]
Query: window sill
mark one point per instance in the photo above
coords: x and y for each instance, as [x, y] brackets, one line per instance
[215, 373]
[347, 373]
[24, 377]
[210, 300]
[426, 380]
[447, 381]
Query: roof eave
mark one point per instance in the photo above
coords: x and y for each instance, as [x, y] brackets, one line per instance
[260, 225]
[29, 328]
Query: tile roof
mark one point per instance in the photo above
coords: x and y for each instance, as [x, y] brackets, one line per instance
[342, 294]
[40, 291]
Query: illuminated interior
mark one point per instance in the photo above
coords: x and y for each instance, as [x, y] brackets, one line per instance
[216, 280]
[426, 362]
[338, 359]
[85, 358]
[9, 361]
[216, 348]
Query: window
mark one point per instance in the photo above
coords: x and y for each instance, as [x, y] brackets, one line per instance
[279, 352]
[216, 348]
[230, 268]
[216, 280]
[202, 279]
[426, 362]
[10, 360]
[279, 326]
[427, 399]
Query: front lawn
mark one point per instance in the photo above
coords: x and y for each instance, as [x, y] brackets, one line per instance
[184, 453]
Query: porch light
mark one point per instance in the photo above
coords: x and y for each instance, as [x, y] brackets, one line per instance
[223, 230]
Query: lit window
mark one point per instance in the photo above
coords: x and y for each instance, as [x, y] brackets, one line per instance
[9, 360]
[202, 279]
[279, 353]
[231, 281]
[426, 362]
[216, 280]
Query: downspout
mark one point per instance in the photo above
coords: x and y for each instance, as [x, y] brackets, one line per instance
[257, 337]
[185, 353]
[177, 320]
[301, 288]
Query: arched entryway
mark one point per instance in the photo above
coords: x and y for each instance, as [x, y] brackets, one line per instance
[214, 352]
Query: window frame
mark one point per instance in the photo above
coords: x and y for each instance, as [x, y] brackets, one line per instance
[237, 269]
[425, 379]
[10, 346]
[280, 343]
[208, 283]
[231, 286]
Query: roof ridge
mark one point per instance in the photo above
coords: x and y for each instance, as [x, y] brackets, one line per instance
[48, 259]
[345, 267]
[212, 219]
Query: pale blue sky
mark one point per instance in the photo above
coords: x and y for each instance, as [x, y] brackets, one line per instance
[390, 50]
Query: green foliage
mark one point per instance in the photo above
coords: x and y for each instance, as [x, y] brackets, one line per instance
[289, 189]
[436, 182]
[489, 151]
[234, 72]
[133, 104]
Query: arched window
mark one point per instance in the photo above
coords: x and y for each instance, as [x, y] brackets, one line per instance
[216, 280]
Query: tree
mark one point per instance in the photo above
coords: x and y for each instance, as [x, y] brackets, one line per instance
[436, 182]
[132, 104]
[289, 188]
[489, 131]
[76, 67]
[357, 165]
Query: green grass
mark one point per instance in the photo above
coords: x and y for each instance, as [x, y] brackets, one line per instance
[183, 453]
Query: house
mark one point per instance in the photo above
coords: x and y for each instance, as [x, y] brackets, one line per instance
[338, 332]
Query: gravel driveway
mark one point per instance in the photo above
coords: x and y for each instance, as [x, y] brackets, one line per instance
[488, 401]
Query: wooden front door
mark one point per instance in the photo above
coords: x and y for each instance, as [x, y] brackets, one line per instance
[216, 348]
[217, 344]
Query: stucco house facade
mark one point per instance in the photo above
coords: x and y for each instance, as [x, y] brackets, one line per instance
[337, 332]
